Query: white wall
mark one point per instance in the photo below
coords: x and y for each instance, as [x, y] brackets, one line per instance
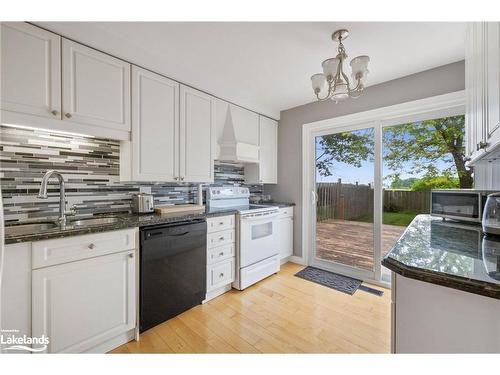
[437, 81]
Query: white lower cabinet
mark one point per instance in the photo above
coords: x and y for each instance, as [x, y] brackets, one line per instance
[285, 233]
[221, 274]
[221, 261]
[88, 304]
[429, 318]
[15, 305]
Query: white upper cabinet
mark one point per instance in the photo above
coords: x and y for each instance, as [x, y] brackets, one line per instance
[30, 70]
[493, 82]
[482, 81]
[155, 127]
[266, 171]
[268, 153]
[197, 135]
[96, 87]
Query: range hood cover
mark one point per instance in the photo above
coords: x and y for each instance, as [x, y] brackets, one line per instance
[231, 149]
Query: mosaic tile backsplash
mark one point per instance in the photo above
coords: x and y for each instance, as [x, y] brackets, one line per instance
[91, 169]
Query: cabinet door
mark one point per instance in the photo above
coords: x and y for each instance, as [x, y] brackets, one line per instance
[479, 86]
[15, 303]
[155, 127]
[268, 160]
[470, 121]
[285, 230]
[96, 87]
[82, 304]
[197, 135]
[31, 70]
[493, 82]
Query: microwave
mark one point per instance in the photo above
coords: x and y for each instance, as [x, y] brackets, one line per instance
[459, 204]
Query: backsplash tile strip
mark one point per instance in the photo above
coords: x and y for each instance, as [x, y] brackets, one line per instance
[91, 167]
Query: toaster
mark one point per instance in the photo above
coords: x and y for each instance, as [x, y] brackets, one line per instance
[142, 203]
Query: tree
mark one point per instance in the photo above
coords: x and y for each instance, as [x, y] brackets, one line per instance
[406, 183]
[348, 147]
[420, 148]
[423, 144]
[440, 182]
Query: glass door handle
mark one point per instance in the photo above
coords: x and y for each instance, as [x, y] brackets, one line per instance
[314, 197]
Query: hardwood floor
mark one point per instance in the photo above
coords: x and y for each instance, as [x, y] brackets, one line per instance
[281, 314]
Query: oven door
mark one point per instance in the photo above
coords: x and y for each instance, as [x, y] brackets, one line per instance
[258, 237]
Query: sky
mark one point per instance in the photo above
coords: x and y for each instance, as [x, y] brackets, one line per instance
[365, 173]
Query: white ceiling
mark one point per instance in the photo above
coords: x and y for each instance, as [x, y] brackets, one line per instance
[266, 66]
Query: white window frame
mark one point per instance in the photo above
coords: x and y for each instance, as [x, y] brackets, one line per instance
[451, 104]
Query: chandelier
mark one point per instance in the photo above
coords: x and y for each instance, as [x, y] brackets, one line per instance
[333, 83]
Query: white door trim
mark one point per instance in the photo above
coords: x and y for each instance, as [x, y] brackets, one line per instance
[433, 107]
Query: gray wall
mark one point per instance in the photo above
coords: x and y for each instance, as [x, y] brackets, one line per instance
[441, 80]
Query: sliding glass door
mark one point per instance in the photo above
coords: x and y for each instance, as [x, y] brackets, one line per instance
[367, 182]
[344, 232]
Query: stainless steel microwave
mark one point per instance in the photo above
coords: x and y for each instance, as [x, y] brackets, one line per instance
[459, 204]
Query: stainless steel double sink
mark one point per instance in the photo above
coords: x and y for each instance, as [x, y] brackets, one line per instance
[33, 228]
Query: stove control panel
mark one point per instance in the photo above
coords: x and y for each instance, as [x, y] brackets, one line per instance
[227, 192]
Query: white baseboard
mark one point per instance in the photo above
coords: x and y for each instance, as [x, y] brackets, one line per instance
[297, 259]
[113, 343]
[217, 292]
[284, 260]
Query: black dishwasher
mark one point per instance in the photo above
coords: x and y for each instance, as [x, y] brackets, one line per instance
[173, 270]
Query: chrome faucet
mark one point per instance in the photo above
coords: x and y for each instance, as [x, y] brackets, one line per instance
[42, 194]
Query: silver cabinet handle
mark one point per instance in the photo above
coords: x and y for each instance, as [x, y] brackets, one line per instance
[176, 178]
[483, 145]
[221, 223]
[54, 112]
[221, 274]
[182, 178]
[221, 238]
[68, 115]
[91, 246]
[131, 255]
[221, 253]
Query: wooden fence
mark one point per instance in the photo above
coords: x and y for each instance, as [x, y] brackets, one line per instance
[350, 201]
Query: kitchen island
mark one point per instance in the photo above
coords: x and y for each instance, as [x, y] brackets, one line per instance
[445, 288]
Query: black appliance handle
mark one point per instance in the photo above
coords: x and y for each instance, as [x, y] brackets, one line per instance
[166, 230]
[177, 235]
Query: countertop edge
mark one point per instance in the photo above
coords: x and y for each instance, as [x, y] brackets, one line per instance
[459, 283]
[133, 221]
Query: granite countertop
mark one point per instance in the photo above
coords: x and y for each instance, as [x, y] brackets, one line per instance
[449, 254]
[127, 220]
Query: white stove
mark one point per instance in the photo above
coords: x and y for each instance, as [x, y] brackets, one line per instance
[257, 255]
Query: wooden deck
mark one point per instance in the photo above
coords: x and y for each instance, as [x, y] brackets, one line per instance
[351, 242]
[281, 314]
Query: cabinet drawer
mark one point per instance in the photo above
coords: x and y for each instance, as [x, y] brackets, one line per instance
[215, 224]
[220, 274]
[225, 237]
[219, 253]
[64, 250]
[286, 212]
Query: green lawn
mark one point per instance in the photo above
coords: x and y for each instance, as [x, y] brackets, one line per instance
[402, 218]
